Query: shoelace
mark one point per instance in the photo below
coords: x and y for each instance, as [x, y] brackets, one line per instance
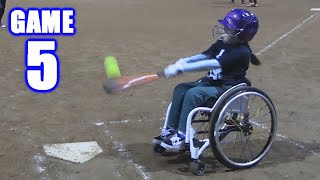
[164, 132]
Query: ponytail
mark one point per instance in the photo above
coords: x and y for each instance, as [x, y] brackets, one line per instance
[254, 60]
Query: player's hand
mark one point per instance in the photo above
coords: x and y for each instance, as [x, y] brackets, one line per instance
[172, 70]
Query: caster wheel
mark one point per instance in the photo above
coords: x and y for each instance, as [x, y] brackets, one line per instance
[158, 150]
[197, 168]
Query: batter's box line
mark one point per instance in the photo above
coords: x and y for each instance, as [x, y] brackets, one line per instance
[100, 122]
[286, 138]
[123, 152]
[286, 34]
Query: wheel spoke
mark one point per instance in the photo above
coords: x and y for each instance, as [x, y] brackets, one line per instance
[244, 147]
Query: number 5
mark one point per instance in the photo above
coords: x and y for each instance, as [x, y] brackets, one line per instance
[42, 65]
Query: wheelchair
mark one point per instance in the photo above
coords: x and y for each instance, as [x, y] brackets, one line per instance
[242, 119]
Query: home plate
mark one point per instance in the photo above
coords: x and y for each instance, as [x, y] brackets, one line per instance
[78, 152]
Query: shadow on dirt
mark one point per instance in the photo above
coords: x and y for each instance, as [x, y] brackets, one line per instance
[280, 152]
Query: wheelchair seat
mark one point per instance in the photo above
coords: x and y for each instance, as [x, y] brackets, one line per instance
[210, 102]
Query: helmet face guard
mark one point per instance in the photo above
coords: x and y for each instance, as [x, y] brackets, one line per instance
[217, 30]
[242, 23]
[220, 30]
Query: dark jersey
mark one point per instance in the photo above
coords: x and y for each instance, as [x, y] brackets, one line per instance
[234, 61]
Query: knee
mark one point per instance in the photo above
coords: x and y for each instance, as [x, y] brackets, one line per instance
[179, 90]
[179, 87]
[193, 95]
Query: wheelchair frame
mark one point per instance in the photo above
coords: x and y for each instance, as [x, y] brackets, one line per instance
[197, 167]
[195, 151]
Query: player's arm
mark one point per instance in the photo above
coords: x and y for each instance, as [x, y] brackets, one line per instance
[203, 65]
[191, 59]
[208, 64]
[197, 62]
[205, 55]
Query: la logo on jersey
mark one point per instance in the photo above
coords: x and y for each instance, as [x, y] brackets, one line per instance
[42, 73]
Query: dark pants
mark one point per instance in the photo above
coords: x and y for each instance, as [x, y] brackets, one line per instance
[2, 8]
[186, 97]
[253, 1]
[242, 1]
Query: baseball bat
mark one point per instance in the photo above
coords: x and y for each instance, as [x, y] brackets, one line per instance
[126, 82]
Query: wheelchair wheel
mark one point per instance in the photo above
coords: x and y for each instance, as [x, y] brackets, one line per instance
[158, 150]
[243, 127]
[197, 167]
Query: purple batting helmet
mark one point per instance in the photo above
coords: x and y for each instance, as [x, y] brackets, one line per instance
[244, 21]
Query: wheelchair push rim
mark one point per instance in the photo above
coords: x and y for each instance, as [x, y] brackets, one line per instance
[247, 124]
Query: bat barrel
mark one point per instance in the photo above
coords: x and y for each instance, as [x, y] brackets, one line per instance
[123, 83]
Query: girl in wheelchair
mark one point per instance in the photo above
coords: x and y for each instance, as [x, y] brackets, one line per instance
[227, 61]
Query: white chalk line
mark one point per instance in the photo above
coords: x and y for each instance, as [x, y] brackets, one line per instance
[128, 121]
[40, 161]
[162, 119]
[286, 138]
[20, 93]
[270, 46]
[315, 9]
[11, 97]
[123, 151]
[38, 158]
[286, 34]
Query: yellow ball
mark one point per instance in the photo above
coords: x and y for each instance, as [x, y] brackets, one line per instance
[111, 67]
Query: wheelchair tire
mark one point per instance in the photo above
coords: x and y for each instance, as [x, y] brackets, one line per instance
[197, 167]
[221, 157]
[158, 150]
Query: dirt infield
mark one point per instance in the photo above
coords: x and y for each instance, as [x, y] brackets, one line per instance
[147, 35]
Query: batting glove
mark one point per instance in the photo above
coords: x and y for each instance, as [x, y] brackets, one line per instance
[172, 70]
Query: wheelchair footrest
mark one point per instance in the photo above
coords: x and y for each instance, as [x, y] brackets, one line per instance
[200, 121]
[197, 143]
[201, 132]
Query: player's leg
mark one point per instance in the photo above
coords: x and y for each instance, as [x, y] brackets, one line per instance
[174, 112]
[2, 10]
[255, 3]
[194, 97]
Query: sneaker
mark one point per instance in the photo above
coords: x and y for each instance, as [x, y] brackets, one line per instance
[252, 5]
[165, 134]
[175, 143]
[2, 25]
